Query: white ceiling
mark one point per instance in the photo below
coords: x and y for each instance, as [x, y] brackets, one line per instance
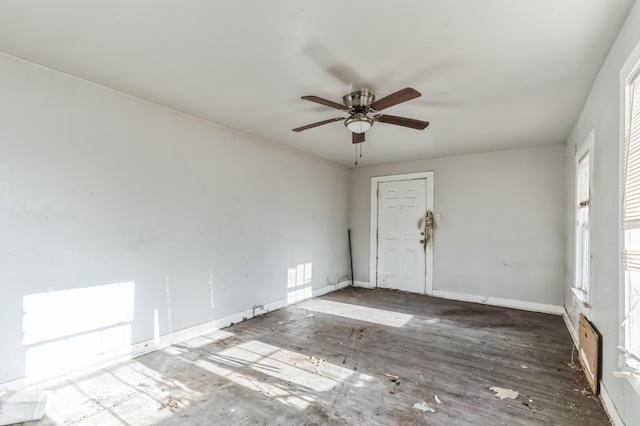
[494, 74]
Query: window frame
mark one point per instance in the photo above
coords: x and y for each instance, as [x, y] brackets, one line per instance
[628, 73]
[585, 148]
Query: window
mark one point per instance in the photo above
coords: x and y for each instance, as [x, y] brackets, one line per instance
[631, 220]
[583, 253]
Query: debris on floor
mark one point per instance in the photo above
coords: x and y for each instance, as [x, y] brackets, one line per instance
[574, 366]
[172, 403]
[437, 399]
[23, 406]
[391, 377]
[423, 406]
[309, 316]
[316, 361]
[586, 392]
[504, 393]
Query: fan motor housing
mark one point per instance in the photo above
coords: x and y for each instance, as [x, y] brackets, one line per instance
[359, 100]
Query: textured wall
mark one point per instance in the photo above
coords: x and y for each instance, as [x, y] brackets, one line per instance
[98, 188]
[501, 227]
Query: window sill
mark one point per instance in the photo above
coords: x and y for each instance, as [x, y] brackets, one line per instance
[632, 364]
[634, 382]
[582, 297]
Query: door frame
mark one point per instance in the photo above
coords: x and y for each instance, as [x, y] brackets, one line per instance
[373, 236]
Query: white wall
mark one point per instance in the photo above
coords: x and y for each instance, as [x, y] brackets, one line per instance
[601, 114]
[501, 229]
[99, 188]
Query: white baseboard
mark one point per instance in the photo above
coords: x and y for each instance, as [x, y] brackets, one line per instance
[607, 402]
[610, 407]
[141, 348]
[572, 330]
[496, 301]
[106, 360]
[166, 340]
[363, 284]
[330, 288]
[605, 398]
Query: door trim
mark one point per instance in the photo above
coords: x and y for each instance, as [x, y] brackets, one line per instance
[373, 238]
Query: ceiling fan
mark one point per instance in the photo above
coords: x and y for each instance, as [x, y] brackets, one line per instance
[362, 103]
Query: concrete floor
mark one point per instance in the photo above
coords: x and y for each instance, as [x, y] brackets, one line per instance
[351, 357]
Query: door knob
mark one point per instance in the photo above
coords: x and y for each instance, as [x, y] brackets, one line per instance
[422, 233]
[421, 241]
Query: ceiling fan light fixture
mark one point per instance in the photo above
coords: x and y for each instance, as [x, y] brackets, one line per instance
[358, 123]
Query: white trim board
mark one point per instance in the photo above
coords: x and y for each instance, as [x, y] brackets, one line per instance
[330, 288]
[572, 330]
[581, 150]
[496, 301]
[629, 72]
[135, 350]
[609, 406]
[373, 231]
[166, 340]
[147, 346]
[605, 398]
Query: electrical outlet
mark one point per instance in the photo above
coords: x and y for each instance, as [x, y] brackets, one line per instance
[437, 217]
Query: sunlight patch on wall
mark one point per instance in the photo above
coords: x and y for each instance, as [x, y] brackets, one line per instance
[300, 378]
[73, 329]
[156, 326]
[361, 313]
[299, 280]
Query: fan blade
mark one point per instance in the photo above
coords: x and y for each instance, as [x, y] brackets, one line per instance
[325, 102]
[357, 137]
[396, 98]
[319, 123]
[402, 121]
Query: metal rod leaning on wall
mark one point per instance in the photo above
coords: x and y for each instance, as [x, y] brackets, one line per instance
[350, 256]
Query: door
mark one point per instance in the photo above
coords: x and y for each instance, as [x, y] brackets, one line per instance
[401, 235]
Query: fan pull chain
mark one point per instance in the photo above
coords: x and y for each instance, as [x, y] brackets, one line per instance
[356, 163]
[360, 150]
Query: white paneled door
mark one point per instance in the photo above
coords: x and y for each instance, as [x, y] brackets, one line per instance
[401, 235]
